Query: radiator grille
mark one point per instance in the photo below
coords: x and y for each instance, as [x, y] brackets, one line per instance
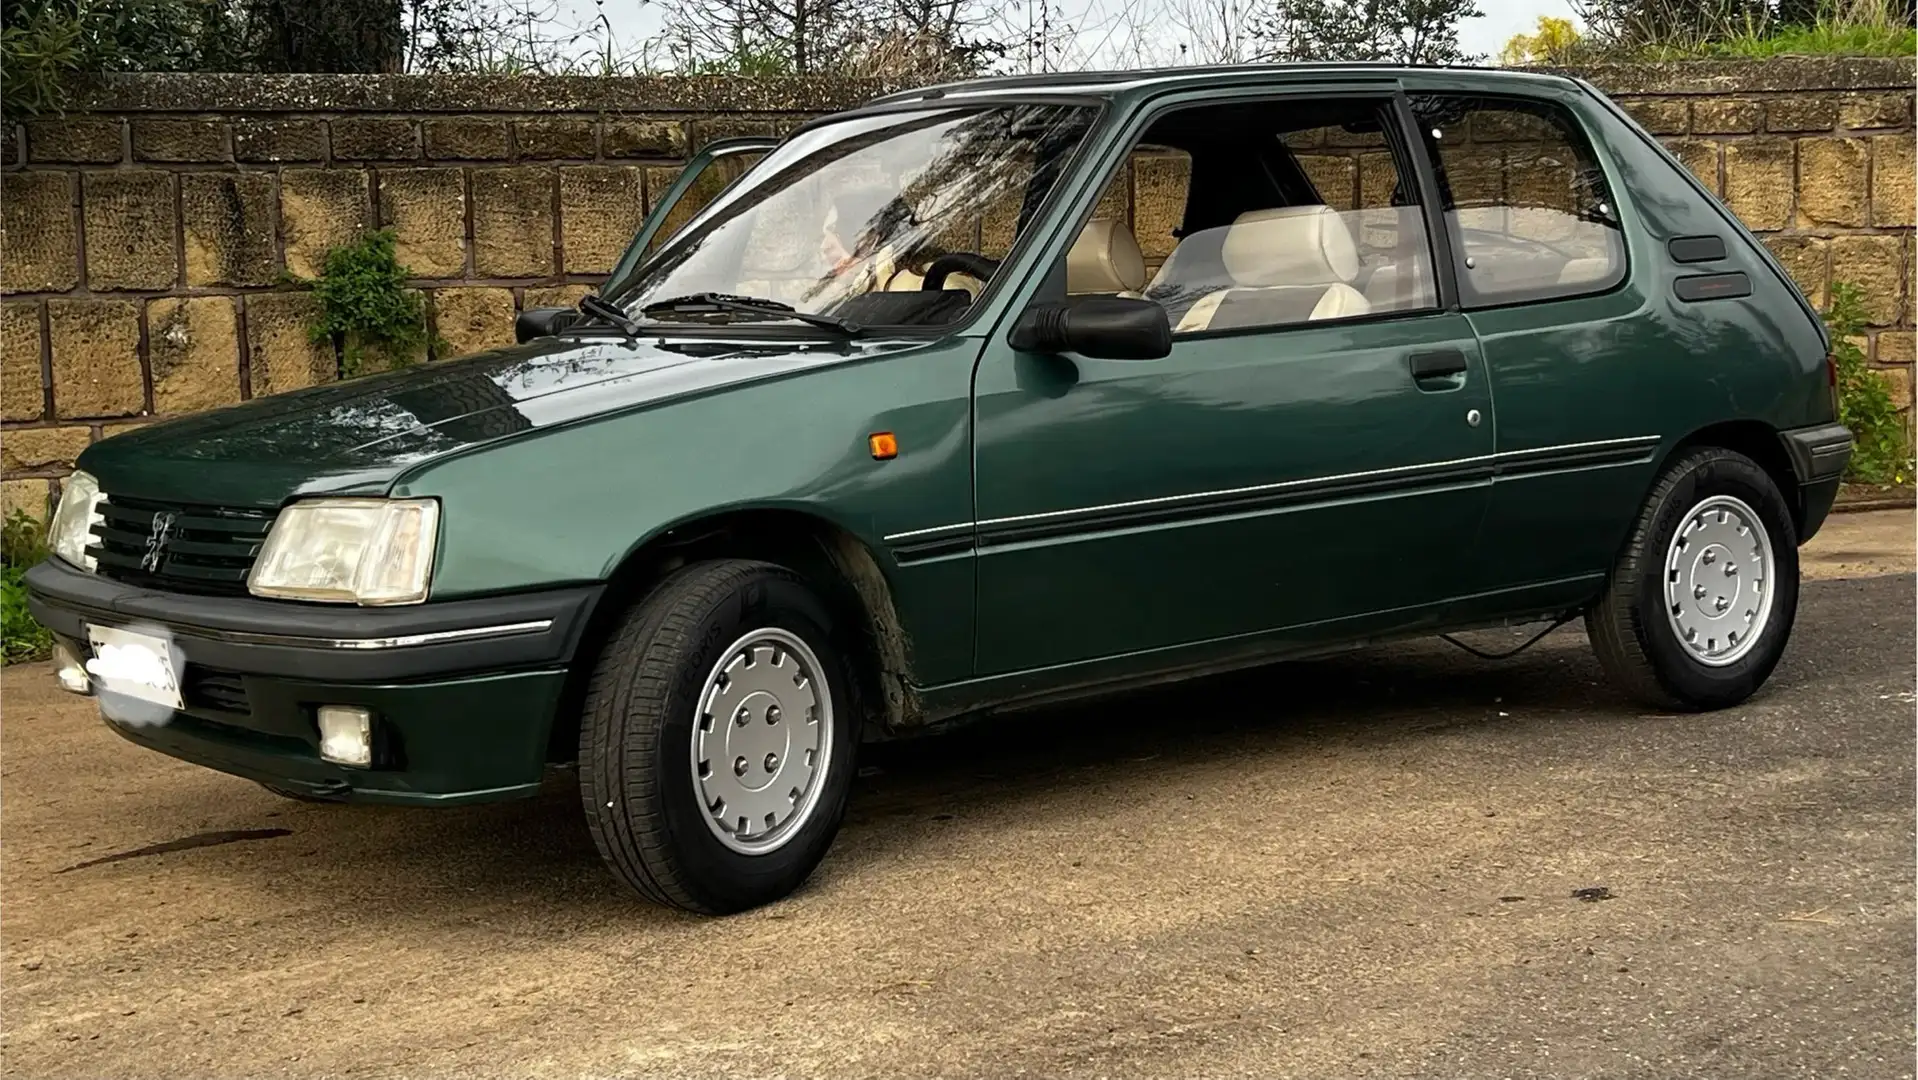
[193, 549]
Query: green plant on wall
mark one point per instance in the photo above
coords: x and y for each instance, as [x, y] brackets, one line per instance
[366, 311]
[22, 544]
[1883, 454]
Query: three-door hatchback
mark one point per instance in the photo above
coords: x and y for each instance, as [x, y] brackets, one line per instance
[903, 425]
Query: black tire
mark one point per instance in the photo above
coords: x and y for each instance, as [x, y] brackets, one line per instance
[635, 743]
[1628, 625]
[298, 796]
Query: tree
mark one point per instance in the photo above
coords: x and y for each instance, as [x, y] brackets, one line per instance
[1211, 31]
[1394, 31]
[1554, 43]
[352, 36]
[901, 40]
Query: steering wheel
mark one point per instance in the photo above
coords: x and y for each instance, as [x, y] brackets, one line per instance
[959, 262]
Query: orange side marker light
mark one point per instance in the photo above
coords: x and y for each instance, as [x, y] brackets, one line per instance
[883, 446]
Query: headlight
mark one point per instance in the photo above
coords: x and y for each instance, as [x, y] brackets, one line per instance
[73, 521]
[354, 551]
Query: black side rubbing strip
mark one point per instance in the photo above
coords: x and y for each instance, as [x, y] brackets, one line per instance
[920, 551]
[1218, 504]
[1697, 249]
[1726, 286]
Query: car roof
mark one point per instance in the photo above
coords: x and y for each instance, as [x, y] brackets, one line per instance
[1113, 84]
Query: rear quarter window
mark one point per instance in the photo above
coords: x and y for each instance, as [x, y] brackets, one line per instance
[1531, 213]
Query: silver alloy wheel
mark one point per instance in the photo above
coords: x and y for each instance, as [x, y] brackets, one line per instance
[762, 743]
[1719, 575]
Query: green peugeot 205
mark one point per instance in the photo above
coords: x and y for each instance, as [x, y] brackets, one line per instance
[976, 397]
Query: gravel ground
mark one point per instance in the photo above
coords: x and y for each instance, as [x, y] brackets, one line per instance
[1355, 867]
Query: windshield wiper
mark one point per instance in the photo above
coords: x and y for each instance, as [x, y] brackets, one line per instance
[700, 303]
[608, 312]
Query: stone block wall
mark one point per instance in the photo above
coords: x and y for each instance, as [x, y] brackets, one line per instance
[150, 235]
[1816, 157]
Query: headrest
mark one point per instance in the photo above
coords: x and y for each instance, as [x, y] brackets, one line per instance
[1293, 245]
[1104, 259]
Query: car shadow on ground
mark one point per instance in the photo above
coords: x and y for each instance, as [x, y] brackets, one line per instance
[538, 850]
[435, 864]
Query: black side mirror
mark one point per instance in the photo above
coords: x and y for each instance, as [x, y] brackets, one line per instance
[542, 322]
[1101, 327]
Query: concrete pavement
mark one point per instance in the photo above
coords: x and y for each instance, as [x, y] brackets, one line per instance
[1355, 867]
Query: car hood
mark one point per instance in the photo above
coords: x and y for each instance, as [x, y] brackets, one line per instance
[356, 437]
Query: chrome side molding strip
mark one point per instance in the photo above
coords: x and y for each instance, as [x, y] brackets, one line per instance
[401, 641]
[1508, 457]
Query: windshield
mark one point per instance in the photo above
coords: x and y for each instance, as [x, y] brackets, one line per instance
[889, 219]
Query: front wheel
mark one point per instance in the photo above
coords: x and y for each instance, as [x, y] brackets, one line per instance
[1697, 610]
[716, 749]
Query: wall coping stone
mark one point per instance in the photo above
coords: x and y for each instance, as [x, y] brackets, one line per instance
[1785, 74]
[170, 92]
[245, 93]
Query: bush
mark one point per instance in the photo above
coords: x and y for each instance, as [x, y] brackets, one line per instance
[366, 311]
[1759, 29]
[22, 544]
[1883, 454]
[46, 42]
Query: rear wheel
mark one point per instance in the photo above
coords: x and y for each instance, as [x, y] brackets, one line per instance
[1697, 610]
[716, 750]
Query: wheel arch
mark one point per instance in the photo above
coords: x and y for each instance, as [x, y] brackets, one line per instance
[1758, 441]
[834, 561]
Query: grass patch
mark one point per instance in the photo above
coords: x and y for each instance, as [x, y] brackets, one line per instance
[1820, 39]
[23, 542]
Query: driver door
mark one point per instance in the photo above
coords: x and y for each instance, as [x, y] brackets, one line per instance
[1307, 473]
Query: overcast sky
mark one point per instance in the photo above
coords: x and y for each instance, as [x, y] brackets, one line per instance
[636, 20]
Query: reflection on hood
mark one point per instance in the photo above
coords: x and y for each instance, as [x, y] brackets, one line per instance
[421, 412]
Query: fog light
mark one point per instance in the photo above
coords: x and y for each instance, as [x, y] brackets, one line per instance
[71, 673]
[346, 735]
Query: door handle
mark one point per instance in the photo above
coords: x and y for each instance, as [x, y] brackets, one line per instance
[1437, 364]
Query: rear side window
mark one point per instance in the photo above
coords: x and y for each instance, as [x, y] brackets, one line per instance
[1531, 215]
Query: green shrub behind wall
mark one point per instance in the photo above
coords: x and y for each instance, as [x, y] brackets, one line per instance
[367, 312]
[1865, 405]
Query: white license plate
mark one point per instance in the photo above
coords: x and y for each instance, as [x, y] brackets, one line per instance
[134, 665]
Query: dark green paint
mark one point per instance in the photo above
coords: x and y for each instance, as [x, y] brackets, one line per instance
[460, 741]
[1079, 523]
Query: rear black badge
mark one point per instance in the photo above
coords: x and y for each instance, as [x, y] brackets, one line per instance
[1725, 286]
[1697, 249]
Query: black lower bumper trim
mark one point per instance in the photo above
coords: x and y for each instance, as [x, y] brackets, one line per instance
[323, 642]
[1818, 453]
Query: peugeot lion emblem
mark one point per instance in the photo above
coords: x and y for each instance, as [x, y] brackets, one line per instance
[156, 542]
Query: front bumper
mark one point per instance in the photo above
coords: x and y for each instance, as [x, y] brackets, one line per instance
[463, 693]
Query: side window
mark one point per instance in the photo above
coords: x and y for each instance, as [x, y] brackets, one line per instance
[1283, 212]
[1357, 174]
[1134, 226]
[1525, 198]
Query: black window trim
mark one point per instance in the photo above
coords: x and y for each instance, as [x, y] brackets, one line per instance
[1388, 95]
[1470, 299]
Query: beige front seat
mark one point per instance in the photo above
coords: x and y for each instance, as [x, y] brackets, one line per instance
[1287, 265]
[1104, 261]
